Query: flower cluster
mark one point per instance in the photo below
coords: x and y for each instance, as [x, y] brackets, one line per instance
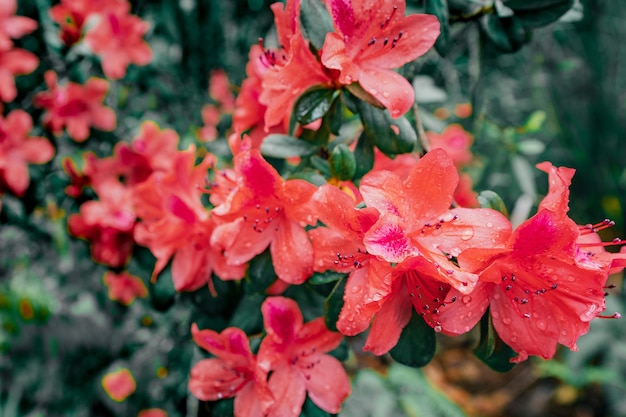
[400, 232]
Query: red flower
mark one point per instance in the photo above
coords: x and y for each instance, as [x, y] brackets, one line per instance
[119, 384]
[12, 26]
[75, 107]
[14, 62]
[124, 287]
[416, 221]
[175, 223]
[292, 356]
[107, 224]
[265, 210]
[232, 373]
[371, 38]
[339, 247]
[291, 70]
[118, 41]
[18, 149]
[152, 412]
[540, 292]
[71, 15]
[456, 141]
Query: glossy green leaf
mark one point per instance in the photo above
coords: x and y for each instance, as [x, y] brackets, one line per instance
[333, 304]
[309, 409]
[417, 343]
[260, 273]
[377, 126]
[507, 33]
[312, 105]
[247, 316]
[490, 199]
[364, 154]
[342, 162]
[439, 8]
[316, 22]
[321, 278]
[285, 146]
[491, 349]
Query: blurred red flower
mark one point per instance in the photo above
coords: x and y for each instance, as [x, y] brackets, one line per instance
[14, 62]
[119, 384]
[18, 149]
[11, 26]
[75, 107]
[124, 287]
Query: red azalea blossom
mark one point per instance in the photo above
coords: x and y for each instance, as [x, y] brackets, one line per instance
[72, 15]
[14, 62]
[456, 141]
[75, 107]
[11, 26]
[152, 412]
[176, 224]
[232, 373]
[540, 293]
[118, 41]
[18, 149]
[290, 70]
[124, 287]
[265, 210]
[119, 385]
[371, 37]
[107, 224]
[293, 358]
[416, 221]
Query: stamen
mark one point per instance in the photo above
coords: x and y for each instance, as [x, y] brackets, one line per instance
[614, 316]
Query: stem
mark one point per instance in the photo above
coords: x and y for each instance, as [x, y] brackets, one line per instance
[420, 129]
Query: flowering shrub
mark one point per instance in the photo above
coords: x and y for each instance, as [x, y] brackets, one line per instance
[311, 217]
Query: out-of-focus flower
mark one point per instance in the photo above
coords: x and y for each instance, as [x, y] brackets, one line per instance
[152, 412]
[456, 141]
[124, 287]
[14, 62]
[18, 149]
[72, 15]
[11, 26]
[118, 40]
[75, 107]
[119, 384]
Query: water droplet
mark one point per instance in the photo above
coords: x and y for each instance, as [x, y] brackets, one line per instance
[395, 113]
[466, 329]
[437, 328]
[570, 278]
[467, 234]
[467, 299]
[373, 92]
[386, 94]
[348, 79]
[564, 332]
[496, 296]
[506, 320]
[541, 324]
[489, 224]
[495, 314]
[220, 395]
[470, 314]
[513, 339]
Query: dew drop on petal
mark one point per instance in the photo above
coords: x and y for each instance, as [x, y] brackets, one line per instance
[495, 314]
[437, 329]
[541, 324]
[506, 320]
[467, 299]
[489, 224]
[467, 234]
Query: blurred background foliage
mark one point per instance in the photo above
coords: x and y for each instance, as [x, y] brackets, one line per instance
[555, 92]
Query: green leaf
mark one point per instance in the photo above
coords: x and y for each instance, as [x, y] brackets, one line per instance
[364, 155]
[507, 33]
[321, 278]
[342, 162]
[490, 199]
[309, 409]
[316, 22]
[162, 292]
[416, 346]
[247, 316]
[321, 165]
[312, 105]
[537, 13]
[491, 349]
[285, 146]
[439, 8]
[333, 304]
[309, 175]
[377, 126]
[260, 274]
[357, 91]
